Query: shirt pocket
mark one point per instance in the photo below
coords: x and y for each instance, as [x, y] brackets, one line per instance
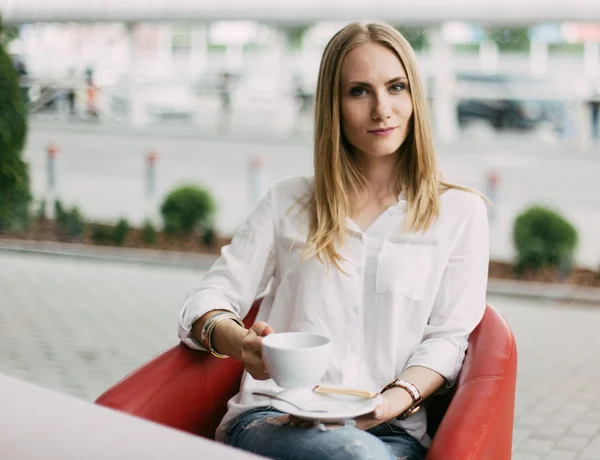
[404, 268]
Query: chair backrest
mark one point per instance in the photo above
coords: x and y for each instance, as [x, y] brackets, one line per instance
[475, 420]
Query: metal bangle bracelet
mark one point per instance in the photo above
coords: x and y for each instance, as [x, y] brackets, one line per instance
[211, 348]
[206, 328]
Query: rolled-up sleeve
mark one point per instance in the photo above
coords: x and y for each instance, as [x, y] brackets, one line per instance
[460, 302]
[241, 273]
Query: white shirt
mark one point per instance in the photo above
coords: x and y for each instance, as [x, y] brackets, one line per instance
[408, 299]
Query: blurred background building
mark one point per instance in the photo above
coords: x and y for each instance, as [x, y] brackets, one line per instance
[510, 64]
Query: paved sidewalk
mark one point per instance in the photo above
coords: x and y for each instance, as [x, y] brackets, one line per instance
[78, 326]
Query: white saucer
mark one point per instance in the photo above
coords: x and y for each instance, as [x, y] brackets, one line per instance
[338, 407]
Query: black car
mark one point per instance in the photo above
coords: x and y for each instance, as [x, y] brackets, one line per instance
[508, 101]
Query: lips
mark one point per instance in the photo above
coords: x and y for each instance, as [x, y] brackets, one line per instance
[382, 131]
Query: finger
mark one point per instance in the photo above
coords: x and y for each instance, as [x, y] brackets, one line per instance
[295, 421]
[281, 420]
[267, 330]
[259, 328]
[262, 375]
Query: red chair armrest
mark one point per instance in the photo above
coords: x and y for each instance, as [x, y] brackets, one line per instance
[479, 421]
[181, 388]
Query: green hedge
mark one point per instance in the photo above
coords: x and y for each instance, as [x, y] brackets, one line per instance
[542, 237]
[15, 195]
[187, 209]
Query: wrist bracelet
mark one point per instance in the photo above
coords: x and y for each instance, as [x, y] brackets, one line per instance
[414, 393]
[209, 327]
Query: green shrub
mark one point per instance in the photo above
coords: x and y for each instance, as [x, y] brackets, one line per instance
[41, 211]
[60, 215]
[209, 237]
[542, 237]
[74, 223]
[186, 209]
[15, 195]
[70, 222]
[120, 232]
[149, 233]
[102, 233]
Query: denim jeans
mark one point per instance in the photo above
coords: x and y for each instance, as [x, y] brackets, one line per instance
[259, 431]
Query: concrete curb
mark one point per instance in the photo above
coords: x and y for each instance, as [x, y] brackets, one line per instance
[512, 288]
[545, 291]
[109, 254]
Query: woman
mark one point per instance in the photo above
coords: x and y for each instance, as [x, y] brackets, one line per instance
[376, 252]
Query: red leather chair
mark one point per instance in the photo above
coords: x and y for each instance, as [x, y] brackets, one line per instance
[188, 390]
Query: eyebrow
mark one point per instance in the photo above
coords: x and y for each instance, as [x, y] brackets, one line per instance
[364, 83]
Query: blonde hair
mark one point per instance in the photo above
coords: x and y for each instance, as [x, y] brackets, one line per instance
[337, 173]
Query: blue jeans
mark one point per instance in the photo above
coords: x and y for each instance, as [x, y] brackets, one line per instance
[257, 431]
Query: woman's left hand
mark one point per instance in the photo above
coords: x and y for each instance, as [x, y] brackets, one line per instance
[382, 413]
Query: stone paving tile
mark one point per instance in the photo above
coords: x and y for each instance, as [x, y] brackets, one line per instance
[592, 417]
[592, 450]
[536, 446]
[523, 456]
[560, 455]
[78, 327]
[550, 432]
[572, 443]
[520, 435]
[587, 430]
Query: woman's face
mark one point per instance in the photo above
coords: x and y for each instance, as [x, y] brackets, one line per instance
[376, 105]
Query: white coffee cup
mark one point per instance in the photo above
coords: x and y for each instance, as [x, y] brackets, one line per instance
[296, 359]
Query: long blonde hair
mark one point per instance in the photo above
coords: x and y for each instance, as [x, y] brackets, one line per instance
[337, 173]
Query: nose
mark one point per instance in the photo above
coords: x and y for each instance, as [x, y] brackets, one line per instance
[382, 107]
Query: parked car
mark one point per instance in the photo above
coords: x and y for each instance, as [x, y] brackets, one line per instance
[508, 101]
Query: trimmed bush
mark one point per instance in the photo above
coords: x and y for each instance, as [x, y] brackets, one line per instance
[15, 195]
[120, 232]
[70, 222]
[149, 233]
[74, 223]
[60, 215]
[209, 237]
[41, 211]
[102, 233]
[542, 237]
[187, 209]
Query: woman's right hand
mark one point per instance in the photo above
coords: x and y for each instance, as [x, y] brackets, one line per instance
[252, 350]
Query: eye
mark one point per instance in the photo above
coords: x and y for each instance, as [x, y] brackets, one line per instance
[357, 91]
[396, 88]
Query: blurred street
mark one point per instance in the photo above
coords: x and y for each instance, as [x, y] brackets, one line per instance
[102, 170]
[79, 326]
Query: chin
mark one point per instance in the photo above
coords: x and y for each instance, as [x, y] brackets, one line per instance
[382, 149]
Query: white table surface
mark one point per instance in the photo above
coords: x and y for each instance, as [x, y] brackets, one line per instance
[36, 423]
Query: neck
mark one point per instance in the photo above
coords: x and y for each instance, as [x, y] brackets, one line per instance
[378, 174]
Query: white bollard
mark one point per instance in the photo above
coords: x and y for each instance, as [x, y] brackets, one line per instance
[256, 180]
[51, 179]
[151, 174]
[492, 182]
[151, 211]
